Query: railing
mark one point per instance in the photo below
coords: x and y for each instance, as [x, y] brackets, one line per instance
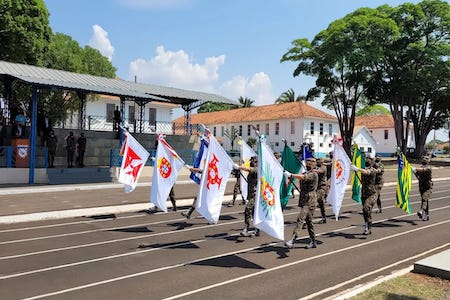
[101, 123]
[9, 157]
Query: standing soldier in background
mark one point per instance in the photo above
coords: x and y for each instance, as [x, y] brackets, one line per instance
[423, 174]
[237, 187]
[51, 143]
[308, 197]
[368, 191]
[70, 147]
[379, 180]
[81, 141]
[322, 188]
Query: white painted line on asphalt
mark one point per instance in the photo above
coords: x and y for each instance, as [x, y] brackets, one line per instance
[354, 291]
[93, 284]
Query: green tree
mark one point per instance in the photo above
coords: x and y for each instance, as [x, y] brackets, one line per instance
[289, 96]
[251, 141]
[413, 76]
[24, 31]
[371, 110]
[94, 63]
[245, 102]
[214, 106]
[340, 57]
[232, 135]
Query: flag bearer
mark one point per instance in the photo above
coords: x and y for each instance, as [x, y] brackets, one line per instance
[308, 199]
[322, 188]
[252, 182]
[191, 209]
[368, 191]
[379, 180]
[423, 174]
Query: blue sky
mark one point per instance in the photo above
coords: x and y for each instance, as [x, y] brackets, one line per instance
[232, 48]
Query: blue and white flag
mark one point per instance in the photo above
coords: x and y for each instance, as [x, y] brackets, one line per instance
[200, 160]
[268, 213]
[305, 154]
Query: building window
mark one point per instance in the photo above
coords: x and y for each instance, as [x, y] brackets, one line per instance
[329, 145]
[249, 130]
[257, 127]
[330, 129]
[240, 130]
[222, 129]
[152, 116]
[361, 149]
[277, 144]
[311, 128]
[292, 144]
[267, 128]
[131, 114]
[292, 127]
[321, 128]
[386, 134]
[214, 131]
[369, 149]
[277, 128]
[321, 145]
[110, 112]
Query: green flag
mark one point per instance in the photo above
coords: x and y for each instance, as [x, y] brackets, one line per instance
[404, 183]
[292, 164]
[359, 161]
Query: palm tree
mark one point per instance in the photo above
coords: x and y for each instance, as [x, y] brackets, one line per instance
[245, 102]
[289, 96]
[232, 135]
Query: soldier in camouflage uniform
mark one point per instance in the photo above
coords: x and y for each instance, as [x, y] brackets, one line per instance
[424, 176]
[322, 188]
[379, 180]
[252, 182]
[237, 187]
[368, 192]
[308, 199]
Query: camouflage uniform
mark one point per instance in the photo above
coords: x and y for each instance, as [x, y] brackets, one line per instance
[237, 186]
[307, 203]
[322, 188]
[252, 181]
[70, 147]
[379, 181]
[172, 199]
[369, 193]
[424, 176]
[52, 144]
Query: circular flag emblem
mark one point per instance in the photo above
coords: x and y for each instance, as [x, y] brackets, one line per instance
[268, 194]
[165, 169]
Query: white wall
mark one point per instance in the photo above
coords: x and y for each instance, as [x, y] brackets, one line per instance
[365, 142]
[389, 145]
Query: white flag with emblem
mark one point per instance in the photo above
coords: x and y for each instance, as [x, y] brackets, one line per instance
[165, 173]
[214, 179]
[340, 174]
[268, 214]
[134, 158]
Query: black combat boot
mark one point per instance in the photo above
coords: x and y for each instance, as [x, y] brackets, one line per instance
[323, 220]
[245, 232]
[312, 244]
[367, 228]
[187, 214]
[290, 244]
[231, 204]
[420, 214]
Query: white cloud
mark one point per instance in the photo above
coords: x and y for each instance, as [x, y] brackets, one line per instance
[258, 88]
[176, 69]
[156, 4]
[101, 42]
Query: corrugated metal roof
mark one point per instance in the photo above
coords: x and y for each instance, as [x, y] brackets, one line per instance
[102, 85]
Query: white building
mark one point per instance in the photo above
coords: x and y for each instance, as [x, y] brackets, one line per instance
[297, 122]
[383, 131]
[365, 141]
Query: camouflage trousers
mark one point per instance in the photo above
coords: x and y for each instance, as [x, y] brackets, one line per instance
[306, 215]
[322, 194]
[378, 188]
[368, 204]
[249, 211]
[425, 195]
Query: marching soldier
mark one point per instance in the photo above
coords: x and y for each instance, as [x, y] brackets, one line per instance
[423, 174]
[379, 180]
[237, 187]
[322, 188]
[191, 209]
[368, 191]
[252, 182]
[308, 198]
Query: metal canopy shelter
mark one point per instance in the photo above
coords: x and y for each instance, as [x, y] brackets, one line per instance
[83, 84]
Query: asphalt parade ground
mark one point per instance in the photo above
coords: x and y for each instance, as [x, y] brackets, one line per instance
[144, 254]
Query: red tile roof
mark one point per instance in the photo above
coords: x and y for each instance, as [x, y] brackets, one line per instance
[375, 121]
[291, 110]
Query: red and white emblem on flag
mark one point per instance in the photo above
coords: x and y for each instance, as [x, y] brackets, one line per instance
[213, 173]
[164, 167]
[268, 193]
[133, 163]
